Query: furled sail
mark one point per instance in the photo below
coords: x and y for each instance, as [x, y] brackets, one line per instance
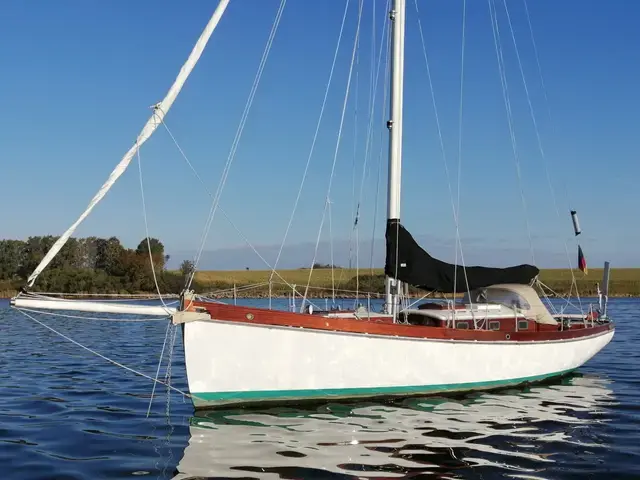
[409, 263]
[159, 112]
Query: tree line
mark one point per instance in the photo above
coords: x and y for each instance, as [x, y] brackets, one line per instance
[104, 266]
[89, 265]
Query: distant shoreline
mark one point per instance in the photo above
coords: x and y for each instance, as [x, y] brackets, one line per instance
[226, 296]
[624, 283]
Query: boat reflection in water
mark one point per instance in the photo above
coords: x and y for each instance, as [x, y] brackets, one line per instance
[522, 433]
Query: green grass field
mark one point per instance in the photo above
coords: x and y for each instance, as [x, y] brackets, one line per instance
[623, 281]
[319, 276]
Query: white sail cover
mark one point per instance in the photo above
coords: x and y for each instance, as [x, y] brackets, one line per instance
[95, 307]
[159, 111]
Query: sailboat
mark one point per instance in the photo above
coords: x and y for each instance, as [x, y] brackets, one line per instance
[500, 334]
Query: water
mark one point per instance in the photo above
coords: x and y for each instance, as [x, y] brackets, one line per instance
[67, 414]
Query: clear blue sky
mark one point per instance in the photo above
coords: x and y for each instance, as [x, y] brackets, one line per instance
[78, 78]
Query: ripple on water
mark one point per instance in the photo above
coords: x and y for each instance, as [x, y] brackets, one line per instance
[67, 414]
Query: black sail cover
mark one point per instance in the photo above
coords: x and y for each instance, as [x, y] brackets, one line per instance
[409, 263]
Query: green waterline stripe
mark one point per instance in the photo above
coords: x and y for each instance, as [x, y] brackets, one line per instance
[363, 391]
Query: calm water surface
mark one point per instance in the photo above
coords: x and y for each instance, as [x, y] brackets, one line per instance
[67, 414]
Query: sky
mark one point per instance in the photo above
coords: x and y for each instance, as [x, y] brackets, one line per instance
[79, 77]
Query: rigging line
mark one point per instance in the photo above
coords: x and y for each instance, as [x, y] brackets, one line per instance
[537, 57]
[232, 153]
[97, 319]
[343, 290]
[224, 213]
[375, 74]
[164, 344]
[370, 109]
[117, 364]
[355, 147]
[535, 50]
[544, 296]
[409, 305]
[355, 150]
[143, 136]
[333, 278]
[548, 108]
[357, 234]
[238, 135]
[558, 295]
[441, 141]
[338, 141]
[531, 110]
[206, 298]
[236, 289]
[313, 142]
[220, 293]
[460, 125]
[375, 77]
[133, 297]
[543, 85]
[385, 106]
[146, 227]
[505, 95]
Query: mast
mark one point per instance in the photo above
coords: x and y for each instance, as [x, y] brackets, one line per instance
[397, 17]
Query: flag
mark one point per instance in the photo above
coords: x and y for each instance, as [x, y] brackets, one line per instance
[582, 263]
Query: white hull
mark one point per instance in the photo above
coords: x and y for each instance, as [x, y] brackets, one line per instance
[230, 362]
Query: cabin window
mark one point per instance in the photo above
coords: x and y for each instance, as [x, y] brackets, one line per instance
[504, 297]
[463, 325]
[523, 325]
[494, 325]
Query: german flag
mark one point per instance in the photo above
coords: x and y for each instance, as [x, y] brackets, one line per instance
[582, 262]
